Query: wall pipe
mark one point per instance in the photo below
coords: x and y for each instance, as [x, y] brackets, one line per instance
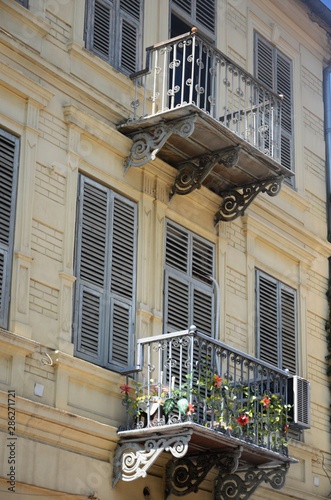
[327, 126]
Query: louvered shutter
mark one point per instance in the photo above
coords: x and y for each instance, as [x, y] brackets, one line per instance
[267, 319]
[91, 260]
[274, 70]
[123, 281]
[288, 328]
[198, 12]
[8, 182]
[276, 322]
[189, 297]
[130, 35]
[284, 87]
[101, 28]
[24, 3]
[106, 270]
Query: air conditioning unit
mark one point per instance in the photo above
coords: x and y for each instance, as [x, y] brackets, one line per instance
[299, 399]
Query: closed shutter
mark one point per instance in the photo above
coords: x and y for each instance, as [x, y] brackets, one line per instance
[101, 18]
[106, 269]
[276, 322]
[123, 281]
[274, 70]
[198, 12]
[9, 151]
[267, 319]
[113, 30]
[188, 291]
[288, 325]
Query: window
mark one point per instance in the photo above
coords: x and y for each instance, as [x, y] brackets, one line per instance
[106, 273]
[9, 151]
[276, 322]
[24, 3]
[188, 295]
[114, 32]
[274, 69]
[198, 13]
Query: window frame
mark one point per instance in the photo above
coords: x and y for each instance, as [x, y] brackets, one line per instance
[110, 297]
[280, 319]
[190, 18]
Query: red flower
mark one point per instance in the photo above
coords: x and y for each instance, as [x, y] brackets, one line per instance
[286, 427]
[243, 419]
[217, 380]
[266, 402]
[190, 409]
[125, 389]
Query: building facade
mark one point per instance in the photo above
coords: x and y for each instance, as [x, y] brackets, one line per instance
[164, 164]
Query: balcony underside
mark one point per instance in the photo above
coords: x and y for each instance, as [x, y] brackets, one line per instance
[196, 451]
[205, 152]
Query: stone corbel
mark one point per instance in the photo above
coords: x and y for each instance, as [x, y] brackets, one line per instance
[235, 201]
[148, 142]
[192, 173]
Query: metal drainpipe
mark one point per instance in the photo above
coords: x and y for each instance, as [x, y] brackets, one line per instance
[327, 124]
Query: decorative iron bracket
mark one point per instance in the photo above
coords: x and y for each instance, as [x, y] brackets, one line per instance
[235, 201]
[133, 459]
[192, 173]
[184, 475]
[232, 486]
[148, 142]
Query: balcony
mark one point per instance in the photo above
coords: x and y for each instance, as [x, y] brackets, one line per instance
[211, 406]
[210, 119]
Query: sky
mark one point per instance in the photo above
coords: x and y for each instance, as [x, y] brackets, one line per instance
[327, 3]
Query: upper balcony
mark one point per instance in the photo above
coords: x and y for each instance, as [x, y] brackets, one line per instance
[210, 406]
[210, 119]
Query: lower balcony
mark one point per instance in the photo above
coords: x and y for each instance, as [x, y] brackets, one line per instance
[211, 406]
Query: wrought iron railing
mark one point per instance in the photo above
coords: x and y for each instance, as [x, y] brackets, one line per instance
[189, 377]
[188, 70]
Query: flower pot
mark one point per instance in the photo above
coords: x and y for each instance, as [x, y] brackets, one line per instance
[182, 405]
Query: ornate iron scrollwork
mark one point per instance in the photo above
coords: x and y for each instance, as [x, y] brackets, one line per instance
[184, 475]
[147, 143]
[235, 202]
[133, 459]
[192, 173]
[233, 487]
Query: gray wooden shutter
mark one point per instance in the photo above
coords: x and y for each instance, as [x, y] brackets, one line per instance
[274, 70]
[188, 290]
[130, 35]
[91, 263]
[106, 270]
[101, 28]
[284, 87]
[9, 152]
[123, 282]
[276, 322]
[267, 319]
[198, 12]
[288, 328]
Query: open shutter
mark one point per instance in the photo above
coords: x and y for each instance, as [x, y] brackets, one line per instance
[198, 12]
[91, 259]
[267, 319]
[284, 87]
[288, 322]
[8, 182]
[122, 286]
